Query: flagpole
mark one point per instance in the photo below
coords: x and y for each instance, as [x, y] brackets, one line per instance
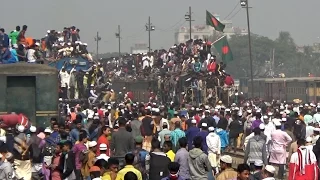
[218, 40]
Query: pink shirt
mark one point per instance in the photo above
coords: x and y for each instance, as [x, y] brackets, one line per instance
[77, 148]
[55, 174]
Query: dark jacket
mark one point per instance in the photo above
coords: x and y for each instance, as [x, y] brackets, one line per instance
[122, 142]
[70, 164]
[235, 127]
[256, 176]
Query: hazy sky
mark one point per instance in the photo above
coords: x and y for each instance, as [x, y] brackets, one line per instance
[268, 17]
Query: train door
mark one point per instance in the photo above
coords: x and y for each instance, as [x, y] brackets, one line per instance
[21, 95]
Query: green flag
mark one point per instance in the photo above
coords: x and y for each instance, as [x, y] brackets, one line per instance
[213, 21]
[223, 49]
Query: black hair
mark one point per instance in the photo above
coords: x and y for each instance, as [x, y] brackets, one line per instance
[24, 27]
[113, 161]
[258, 116]
[257, 131]
[177, 124]
[183, 142]
[173, 166]
[155, 144]
[18, 28]
[165, 126]
[82, 135]
[243, 167]
[68, 143]
[129, 158]
[3, 148]
[301, 142]
[130, 176]
[168, 143]
[122, 121]
[197, 142]
[101, 163]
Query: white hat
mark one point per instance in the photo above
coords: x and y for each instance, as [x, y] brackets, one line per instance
[281, 112]
[261, 126]
[239, 114]
[226, 159]
[258, 163]
[193, 121]
[85, 44]
[270, 169]
[20, 128]
[48, 31]
[90, 116]
[265, 117]
[37, 44]
[236, 108]
[316, 129]
[69, 43]
[249, 111]
[270, 113]
[287, 111]
[211, 129]
[228, 110]
[281, 107]
[309, 139]
[33, 129]
[3, 139]
[192, 108]
[103, 147]
[204, 125]
[277, 122]
[284, 119]
[92, 144]
[96, 117]
[47, 130]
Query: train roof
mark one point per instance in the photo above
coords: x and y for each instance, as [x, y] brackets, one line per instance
[288, 79]
[26, 69]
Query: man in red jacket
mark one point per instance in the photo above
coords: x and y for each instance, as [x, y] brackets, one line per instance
[212, 65]
[228, 80]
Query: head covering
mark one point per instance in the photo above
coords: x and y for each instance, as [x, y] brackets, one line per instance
[103, 147]
[33, 129]
[284, 119]
[265, 117]
[226, 159]
[138, 139]
[204, 125]
[270, 169]
[258, 163]
[47, 130]
[261, 126]
[94, 169]
[309, 139]
[316, 129]
[277, 122]
[211, 129]
[92, 144]
[20, 128]
[193, 121]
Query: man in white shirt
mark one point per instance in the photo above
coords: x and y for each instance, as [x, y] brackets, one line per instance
[103, 150]
[214, 147]
[64, 81]
[31, 56]
[93, 97]
[316, 117]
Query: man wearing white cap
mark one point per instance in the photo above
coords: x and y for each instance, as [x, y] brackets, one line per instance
[90, 159]
[192, 132]
[278, 154]
[303, 163]
[203, 134]
[316, 117]
[269, 127]
[227, 171]
[214, 147]
[103, 149]
[268, 173]
[315, 136]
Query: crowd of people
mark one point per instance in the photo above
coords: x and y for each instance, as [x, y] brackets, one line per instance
[16, 46]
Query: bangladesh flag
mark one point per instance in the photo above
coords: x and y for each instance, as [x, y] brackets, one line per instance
[223, 49]
[213, 21]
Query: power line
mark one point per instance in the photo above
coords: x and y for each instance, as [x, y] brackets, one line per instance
[232, 10]
[235, 13]
[178, 23]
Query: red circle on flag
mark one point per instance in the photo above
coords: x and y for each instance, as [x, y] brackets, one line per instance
[214, 21]
[225, 49]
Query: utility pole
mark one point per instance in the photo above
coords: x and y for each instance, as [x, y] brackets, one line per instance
[118, 35]
[245, 4]
[97, 38]
[188, 17]
[149, 28]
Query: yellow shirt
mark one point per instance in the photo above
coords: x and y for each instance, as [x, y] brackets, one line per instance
[106, 176]
[128, 168]
[170, 154]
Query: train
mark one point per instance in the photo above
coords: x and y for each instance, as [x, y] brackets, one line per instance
[306, 89]
[31, 90]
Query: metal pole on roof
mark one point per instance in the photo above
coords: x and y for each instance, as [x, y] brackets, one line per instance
[188, 17]
[149, 28]
[97, 38]
[118, 35]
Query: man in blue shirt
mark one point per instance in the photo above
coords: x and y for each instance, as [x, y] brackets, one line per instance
[4, 38]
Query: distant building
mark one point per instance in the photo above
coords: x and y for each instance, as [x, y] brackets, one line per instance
[139, 48]
[316, 48]
[204, 32]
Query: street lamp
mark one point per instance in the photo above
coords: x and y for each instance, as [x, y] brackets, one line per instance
[245, 4]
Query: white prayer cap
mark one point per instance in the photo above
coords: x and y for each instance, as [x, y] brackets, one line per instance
[3, 139]
[20, 128]
[156, 110]
[92, 144]
[261, 126]
[33, 129]
[227, 110]
[281, 112]
[103, 147]
[281, 107]
[316, 129]
[239, 113]
[204, 125]
[258, 110]
[211, 129]
[192, 108]
[90, 116]
[287, 111]
[48, 31]
[206, 106]
[236, 108]
[270, 113]
[226, 158]
[258, 163]
[47, 130]
[265, 117]
[85, 44]
[284, 119]
[270, 169]
[37, 44]
[193, 121]
[309, 139]
[197, 109]
[277, 122]
[207, 110]
[249, 111]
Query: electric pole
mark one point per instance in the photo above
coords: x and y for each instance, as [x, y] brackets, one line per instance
[97, 38]
[149, 28]
[245, 4]
[188, 17]
[118, 35]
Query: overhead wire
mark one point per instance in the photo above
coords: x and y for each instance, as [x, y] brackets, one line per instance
[235, 14]
[232, 10]
[172, 28]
